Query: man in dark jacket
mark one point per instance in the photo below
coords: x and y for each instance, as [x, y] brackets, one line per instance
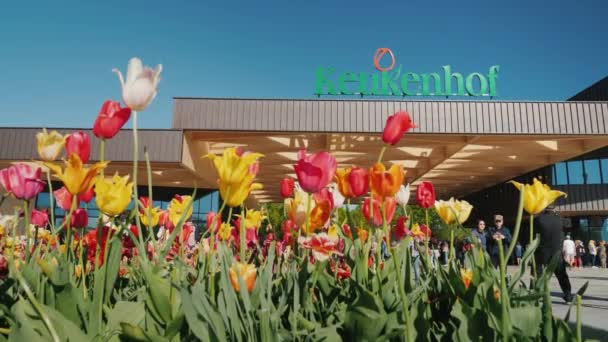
[548, 225]
[498, 234]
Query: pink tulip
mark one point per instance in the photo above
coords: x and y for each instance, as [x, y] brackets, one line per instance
[22, 180]
[39, 218]
[315, 171]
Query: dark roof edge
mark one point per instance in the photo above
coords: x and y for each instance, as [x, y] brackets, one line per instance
[367, 99]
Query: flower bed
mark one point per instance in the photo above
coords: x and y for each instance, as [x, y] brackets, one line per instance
[144, 277]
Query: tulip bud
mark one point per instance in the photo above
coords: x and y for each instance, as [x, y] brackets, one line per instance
[80, 218]
[110, 120]
[80, 144]
[396, 126]
[403, 195]
[287, 185]
[425, 195]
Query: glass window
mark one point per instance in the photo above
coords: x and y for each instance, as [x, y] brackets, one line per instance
[592, 172]
[604, 163]
[575, 172]
[561, 175]
[42, 201]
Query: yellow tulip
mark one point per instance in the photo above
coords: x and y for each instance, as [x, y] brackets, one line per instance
[467, 276]
[247, 271]
[76, 178]
[154, 215]
[113, 197]
[332, 232]
[253, 219]
[232, 166]
[225, 231]
[177, 207]
[234, 194]
[537, 196]
[445, 210]
[453, 210]
[49, 144]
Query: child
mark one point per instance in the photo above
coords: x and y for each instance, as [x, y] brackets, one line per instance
[518, 252]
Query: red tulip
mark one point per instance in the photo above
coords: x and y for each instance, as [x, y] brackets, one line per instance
[39, 218]
[90, 240]
[80, 144]
[63, 198]
[425, 195]
[145, 203]
[401, 229]
[87, 196]
[347, 232]
[287, 185]
[80, 218]
[22, 180]
[110, 119]
[390, 204]
[218, 221]
[127, 240]
[358, 179]
[315, 171]
[165, 221]
[396, 126]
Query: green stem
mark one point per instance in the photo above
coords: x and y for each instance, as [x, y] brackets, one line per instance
[520, 210]
[404, 302]
[26, 217]
[82, 266]
[68, 243]
[426, 236]
[451, 244]
[51, 202]
[579, 335]
[504, 302]
[532, 238]
[242, 233]
[102, 153]
[308, 204]
[381, 153]
[211, 283]
[151, 201]
[30, 295]
[142, 250]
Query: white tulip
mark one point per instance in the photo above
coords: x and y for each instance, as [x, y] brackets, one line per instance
[337, 196]
[403, 195]
[140, 87]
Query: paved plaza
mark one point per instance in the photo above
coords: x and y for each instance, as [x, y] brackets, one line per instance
[595, 300]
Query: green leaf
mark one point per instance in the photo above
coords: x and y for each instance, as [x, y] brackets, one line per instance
[527, 319]
[126, 312]
[158, 295]
[134, 333]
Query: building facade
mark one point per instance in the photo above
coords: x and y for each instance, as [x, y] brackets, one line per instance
[468, 149]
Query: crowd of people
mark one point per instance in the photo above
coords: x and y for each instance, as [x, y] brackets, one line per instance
[578, 254]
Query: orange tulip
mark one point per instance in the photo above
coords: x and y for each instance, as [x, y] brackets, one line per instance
[386, 183]
[247, 272]
[352, 182]
[362, 233]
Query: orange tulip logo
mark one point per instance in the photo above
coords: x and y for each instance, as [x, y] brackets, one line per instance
[378, 57]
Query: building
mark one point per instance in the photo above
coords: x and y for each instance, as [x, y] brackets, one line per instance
[466, 148]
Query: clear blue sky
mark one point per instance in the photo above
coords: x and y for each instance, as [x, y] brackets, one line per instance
[56, 56]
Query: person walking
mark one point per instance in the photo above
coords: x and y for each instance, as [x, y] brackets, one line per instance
[569, 251]
[580, 251]
[592, 252]
[480, 235]
[548, 225]
[602, 248]
[499, 234]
